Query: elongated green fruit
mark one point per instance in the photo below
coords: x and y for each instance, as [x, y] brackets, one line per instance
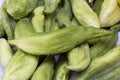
[84, 14]
[61, 71]
[97, 6]
[58, 41]
[45, 70]
[21, 8]
[38, 19]
[103, 66]
[51, 5]
[48, 22]
[103, 45]
[5, 52]
[114, 74]
[23, 28]
[79, 58]
[109, 15]
[7, 26]
[20, 67]
[65, 14]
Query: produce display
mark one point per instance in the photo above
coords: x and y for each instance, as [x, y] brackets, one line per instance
[55, 39]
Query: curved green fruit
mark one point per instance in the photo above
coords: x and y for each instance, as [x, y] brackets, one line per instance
[23, 28]
[64, 15]
[61, 71]
[45, 70]
[38, 19]
[20, 67]
[6, 23]
[102, 67]
[103, 45]
[51, 5]
[97, 6]
[20, 8]
[58, 41]
[84, 14]
[109, 15]
[5, 52]
[79, 58]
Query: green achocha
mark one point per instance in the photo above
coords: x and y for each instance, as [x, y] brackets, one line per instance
[58, 41]
[104, 67]
[79, 58]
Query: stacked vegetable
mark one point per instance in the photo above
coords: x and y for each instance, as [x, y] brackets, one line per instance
[82, 34]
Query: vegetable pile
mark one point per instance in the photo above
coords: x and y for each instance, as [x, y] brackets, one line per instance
[81, 33]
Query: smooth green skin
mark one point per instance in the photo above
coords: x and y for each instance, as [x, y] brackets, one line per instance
[84, 14]
[20, 67]
[23, 28]
[61, 72]
[58, 41]
[109, 15]
[97, 6]
[103, 45]
[79, 58]
[45, 70]
[6, 23]
[65, 14]
[20, 8]
[51, 5]
[38, 19]
[102, 67]
[5, 52]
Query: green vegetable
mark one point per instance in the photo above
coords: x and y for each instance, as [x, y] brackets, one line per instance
[58, 41]
[103, 45]
[6, 23]
[97, 6]
[20, 67]
[45, 70]
[5, 52]
[109, 15]
[102, 67]
[51, 5]
[84, 14]
[61, 72]
[64, 15]
[79, 58]
[20, 8]
[38, 19]
[23, 28]
[48, 22]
